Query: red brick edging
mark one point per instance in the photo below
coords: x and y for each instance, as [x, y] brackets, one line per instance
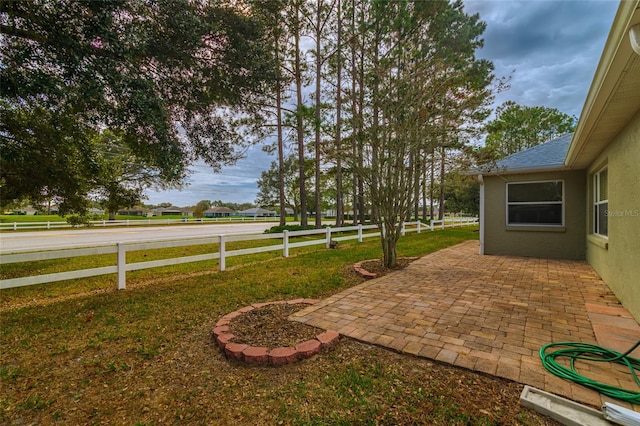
[363, 272]
[263, 356]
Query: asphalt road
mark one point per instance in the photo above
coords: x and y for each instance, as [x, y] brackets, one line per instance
[68, 238]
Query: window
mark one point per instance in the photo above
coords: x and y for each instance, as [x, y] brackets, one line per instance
[601, 202]
[535, 203]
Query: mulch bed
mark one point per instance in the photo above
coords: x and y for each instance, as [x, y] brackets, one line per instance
[269, 327]
[377, 267]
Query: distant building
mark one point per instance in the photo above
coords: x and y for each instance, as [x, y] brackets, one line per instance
[256, 212]
[27, 211]
[99, 212]
[133, 211]
[168, 211]
[218, 212]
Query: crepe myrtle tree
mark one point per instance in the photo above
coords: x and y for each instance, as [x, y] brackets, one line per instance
[420, 67]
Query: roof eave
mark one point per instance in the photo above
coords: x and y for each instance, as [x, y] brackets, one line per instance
[522, 170]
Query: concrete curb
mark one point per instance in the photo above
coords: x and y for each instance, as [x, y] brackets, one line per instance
[565, 411]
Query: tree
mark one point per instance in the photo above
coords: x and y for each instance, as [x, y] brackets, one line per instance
[424, 85]
[201, 207]
[269, 184]
[518, 127]
[144, 69]
[120, 178]
[298, 68]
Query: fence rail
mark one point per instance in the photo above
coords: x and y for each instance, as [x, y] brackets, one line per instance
[18, 226]
[121, 249]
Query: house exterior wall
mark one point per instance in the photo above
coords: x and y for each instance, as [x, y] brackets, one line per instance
[566, 242]
[617, 258]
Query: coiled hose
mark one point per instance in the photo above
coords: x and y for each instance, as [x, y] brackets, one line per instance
[588, 352]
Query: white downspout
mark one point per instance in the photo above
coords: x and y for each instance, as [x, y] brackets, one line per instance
[482, 213]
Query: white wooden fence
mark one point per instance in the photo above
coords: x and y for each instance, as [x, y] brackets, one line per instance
[17, 226]
[122, 267]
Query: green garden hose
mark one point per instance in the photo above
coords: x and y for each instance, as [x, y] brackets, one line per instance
[588, 352]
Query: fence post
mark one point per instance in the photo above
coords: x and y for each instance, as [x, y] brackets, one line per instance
[285, 243]
[443, 224]
[402, 231]
[419, 223]
[48, 225]
[431, 224]
[15, 226]
[122, 266]
[221, 250]
[359, 232]
[328, 237]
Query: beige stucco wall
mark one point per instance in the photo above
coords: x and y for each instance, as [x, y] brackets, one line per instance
[618, 261]
[567, 242]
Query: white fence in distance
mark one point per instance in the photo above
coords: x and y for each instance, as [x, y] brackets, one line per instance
[17, 226]
[122, 267]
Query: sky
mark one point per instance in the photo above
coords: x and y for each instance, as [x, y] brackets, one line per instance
[549, 48]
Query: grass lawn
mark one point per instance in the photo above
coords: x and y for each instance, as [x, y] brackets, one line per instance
[74, 354]
[10, 218]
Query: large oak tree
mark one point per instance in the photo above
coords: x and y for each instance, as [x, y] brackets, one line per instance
[157, 72]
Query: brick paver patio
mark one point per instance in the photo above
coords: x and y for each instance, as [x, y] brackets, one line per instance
[489, 314]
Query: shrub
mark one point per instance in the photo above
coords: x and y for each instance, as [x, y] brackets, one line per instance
[77, 220]
[280, 228]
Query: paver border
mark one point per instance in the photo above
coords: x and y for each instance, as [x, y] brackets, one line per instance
[255, 355]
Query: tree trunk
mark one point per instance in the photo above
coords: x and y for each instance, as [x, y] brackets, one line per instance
[339, 195]
[375, 90]
[361, 82]
[299, 124]
[354, 112]
[424, 188]
[318, 221]
[431, 186]
[281, 196]
[441, 198]
[389, 242]
[416, 189]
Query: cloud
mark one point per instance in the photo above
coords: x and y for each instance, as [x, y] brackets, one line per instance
[236, 184]
[552, 48]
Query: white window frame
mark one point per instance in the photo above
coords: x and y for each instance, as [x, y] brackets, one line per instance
[507, 204]
[597, 203]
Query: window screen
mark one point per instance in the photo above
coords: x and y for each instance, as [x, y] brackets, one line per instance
[535, 203]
